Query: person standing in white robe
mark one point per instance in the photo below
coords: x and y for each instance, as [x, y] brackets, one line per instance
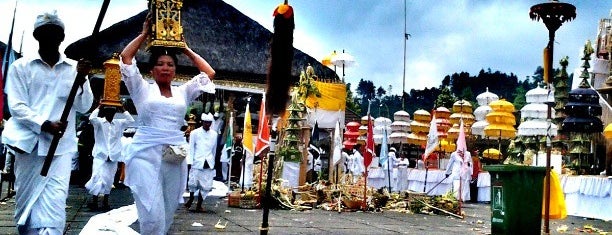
[202, 148]
[459, 169]
[37, 90]
[157, 185]
[108, 131]
[358, 167]
[390, 169]
[402, 174]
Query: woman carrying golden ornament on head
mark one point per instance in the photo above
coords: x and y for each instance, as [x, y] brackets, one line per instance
[157, 185]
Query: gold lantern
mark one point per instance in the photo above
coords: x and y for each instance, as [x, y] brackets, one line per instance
[608, 131]
[166, 28]
[112, 81]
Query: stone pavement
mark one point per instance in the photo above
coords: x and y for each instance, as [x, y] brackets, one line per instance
[317, 221]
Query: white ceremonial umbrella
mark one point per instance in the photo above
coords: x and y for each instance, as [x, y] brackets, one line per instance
[537, 128]
[478, 127]
[343, 59]
[536, 110]
[486, 97]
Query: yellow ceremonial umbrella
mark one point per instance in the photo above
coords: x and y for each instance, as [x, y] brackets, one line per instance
[327, 60]
[498, 117]
[442, 112]
[502, 106]
[419, 127]
[462, 106]
[493, 154]
[500, 130]
[453, 132]
[608, 131]
[468, 118]
[417, 139]
[422, 115]
[447, 146]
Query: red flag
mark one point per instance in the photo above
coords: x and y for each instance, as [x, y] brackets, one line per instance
[369, 153]
[263, 132]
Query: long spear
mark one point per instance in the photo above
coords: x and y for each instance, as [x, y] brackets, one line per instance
[83, 70]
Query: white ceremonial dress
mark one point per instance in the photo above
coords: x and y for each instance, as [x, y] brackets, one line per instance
[157, 186]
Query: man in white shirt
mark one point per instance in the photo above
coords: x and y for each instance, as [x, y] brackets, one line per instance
[202, 147]
[37, 90]
[108, 131]
[459, 169]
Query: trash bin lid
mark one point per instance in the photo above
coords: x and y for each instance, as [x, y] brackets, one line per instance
[512, 168]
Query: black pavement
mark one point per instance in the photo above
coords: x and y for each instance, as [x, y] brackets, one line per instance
[317, 221]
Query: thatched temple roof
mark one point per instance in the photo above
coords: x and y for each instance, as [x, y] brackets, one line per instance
[235, 45]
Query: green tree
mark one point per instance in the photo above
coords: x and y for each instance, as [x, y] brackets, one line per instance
[445, 99]
[380, 92]
[366, 90]
[519, 98]
[351, 103]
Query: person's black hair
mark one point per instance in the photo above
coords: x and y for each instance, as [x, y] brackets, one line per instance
[160, 51]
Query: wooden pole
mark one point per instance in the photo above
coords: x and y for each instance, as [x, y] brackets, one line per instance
[63, 119]
[268, 196]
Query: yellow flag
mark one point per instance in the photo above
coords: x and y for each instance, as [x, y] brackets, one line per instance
[247, 135]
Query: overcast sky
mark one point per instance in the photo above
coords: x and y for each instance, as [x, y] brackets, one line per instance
[446, 36]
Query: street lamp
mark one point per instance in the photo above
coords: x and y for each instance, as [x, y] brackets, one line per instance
[553, 14]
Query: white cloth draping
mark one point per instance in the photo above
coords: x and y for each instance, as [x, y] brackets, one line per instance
[201, 180]
[484, 186]
[40, 202]
[102, 177]
[416, 181]
[556, 161]
[291, 173]
[376, 177]
[588, 196]
[402, 177]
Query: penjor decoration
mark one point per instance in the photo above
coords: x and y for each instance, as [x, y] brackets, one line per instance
[281, 58]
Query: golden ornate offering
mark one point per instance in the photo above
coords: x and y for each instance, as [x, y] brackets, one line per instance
[166, 28]
[112, 81]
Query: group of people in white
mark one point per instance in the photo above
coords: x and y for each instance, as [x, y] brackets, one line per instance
[36, 90]
[393, 171]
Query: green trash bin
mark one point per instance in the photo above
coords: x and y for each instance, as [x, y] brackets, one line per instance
[516, 198]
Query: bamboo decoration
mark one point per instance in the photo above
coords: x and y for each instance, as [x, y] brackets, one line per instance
[281, 59]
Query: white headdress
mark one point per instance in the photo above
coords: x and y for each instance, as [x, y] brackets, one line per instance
[48, 18]
[207, 117]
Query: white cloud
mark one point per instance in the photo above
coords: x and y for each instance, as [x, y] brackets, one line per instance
[447, 37]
